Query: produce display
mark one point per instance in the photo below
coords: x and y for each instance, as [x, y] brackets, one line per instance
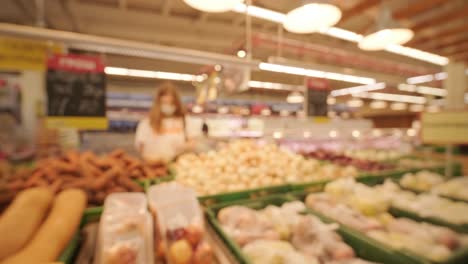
[282, 235]
[344, 160]
[346, 202]
[99, 176]
[374, 154]
[179, 225]
[125, 231]
[425, 204]
[244, 164]
[54, 233]
[456, 188]
[421, 181]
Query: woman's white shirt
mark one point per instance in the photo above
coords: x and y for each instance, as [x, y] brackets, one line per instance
[160, 146]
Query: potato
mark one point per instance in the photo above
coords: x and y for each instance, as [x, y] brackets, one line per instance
[22, 219]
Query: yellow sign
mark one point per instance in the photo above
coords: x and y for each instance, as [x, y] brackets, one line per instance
[22, 54]
[445, 127]
[80, 123]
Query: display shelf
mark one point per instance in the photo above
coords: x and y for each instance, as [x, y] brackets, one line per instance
[377, 251]
[208, 200]
[463, 228]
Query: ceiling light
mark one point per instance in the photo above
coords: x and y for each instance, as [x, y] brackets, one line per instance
[331, 100]
[277, 134]
[307, 134]
[411, 132]
[314, 73]
[341, 34]
[213, 5]
[416, 108]
[378, 104]
[385, 37]
[398, 106]
[420, 79]
[356, 133]
[333, 134]
[418, 54]
[358, 89]
[274, 86]
[422, 89]
[311, 18]
[295, 98]
[241, 53]
[393, 97]
[265, 112]
[153, 74]
[355, 103]
[387, 33]
[197, 109]
[223, 110]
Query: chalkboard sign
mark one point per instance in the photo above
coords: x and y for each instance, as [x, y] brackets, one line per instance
[76, 86]
[317, 93]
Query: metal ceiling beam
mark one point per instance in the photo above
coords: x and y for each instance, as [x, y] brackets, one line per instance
[451, 43]
[457, 13]
[357, 9]
[439, 34]
[455, 49]
[415, 8]
[124, 47]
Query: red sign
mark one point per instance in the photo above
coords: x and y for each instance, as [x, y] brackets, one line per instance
[75, 63]
[317, 84]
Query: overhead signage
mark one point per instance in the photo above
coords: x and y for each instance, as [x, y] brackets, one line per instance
[448, 127]
[76, 92]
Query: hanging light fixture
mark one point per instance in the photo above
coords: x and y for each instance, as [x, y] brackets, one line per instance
[387, 33]
[213, 6]
[295, 98]
[312, 17]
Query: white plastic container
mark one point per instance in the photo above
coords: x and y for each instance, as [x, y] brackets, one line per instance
[125, 230]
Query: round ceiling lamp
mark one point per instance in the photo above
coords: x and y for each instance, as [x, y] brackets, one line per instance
[387, 33]
[311, 17]
[295, 98]
[213, 6]
[385, 37]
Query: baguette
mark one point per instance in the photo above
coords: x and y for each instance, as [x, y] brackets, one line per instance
[56, 232]
[22, 218]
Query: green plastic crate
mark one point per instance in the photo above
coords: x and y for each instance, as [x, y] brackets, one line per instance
[374, 250]
[433, 220]
[363, 249]
[256, 193]
[90, 215]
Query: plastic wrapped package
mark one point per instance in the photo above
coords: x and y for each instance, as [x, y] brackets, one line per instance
[245, 225]
[421, 181]
[274, 251]
[125, 231]
[180, 224]
[455, 188]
